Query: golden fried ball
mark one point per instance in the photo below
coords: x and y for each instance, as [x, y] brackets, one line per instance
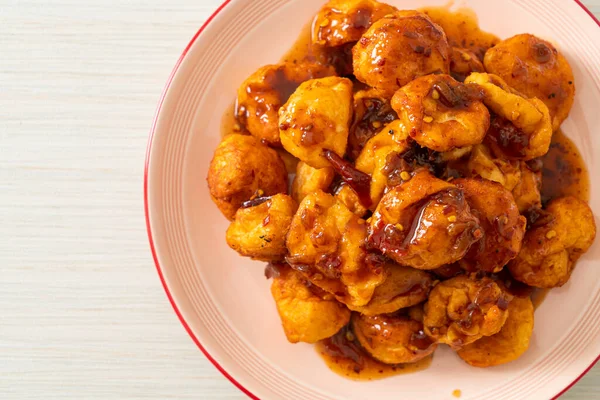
[554, 244]
[242, 167]
[508, 344]
[316, 118]
[344, 21]
[463, 63]
[502, 225]
[397, 49]
[259, 231]
[520, 128]
[482, 163]
[326, 242]
[462, 310]
[441, 113]
[306, 316]
[404, 287]
[392, 339]
[265, 91]
[350, 199]
[379, 155]
[424, 223]
[527, 192]
[535, 68]
[309, 179]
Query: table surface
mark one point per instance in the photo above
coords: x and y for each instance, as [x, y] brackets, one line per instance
[82, 312]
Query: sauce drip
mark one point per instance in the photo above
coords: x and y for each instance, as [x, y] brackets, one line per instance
[370, 116]
[344, 355]
[564, 172]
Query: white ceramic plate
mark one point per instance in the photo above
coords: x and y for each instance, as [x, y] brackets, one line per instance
[224, 301]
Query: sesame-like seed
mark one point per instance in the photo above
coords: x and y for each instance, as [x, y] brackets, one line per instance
[376, 124]
[399, 227]
[405, 176]
[325, 22]
[551, 234]
[428, 119]
[260, 192]
[350, 336]
[465, 56]
[435, 94]
[452, 218]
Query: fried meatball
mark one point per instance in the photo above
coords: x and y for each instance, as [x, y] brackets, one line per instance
[378, 156]
[397, 49]
[404, 287]
[463, 63]
[266, 90]
[350, 199]
[326, 242]
[259, 230]
[372, 112]
[317, 117]
[508, 344]
[462, 310]
[482, 163]
[242, 167]
[345, 21]
[441, 113]
[527, 192]
[309, 179]
[392, 339]
[502, 225]
[424, 223]
[535, 68]
[554, 244]
[520, 128]
[306, 316]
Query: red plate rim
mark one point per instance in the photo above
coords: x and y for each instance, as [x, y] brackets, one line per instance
[151, 240]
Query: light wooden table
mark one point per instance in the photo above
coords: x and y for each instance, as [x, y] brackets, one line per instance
[82, 312]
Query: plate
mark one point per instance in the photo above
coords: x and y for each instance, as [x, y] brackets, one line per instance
[224, 301]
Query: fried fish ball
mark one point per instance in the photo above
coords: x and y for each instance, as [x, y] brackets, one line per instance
[463, 62]
[535, 68]
[508, 344]
[502, 225]
[392, 339]
[309, 179]
[377, 157]
[317, 117]
[306, 316]
[266, 90]
[462, 310]
[372, 111]
[441, 113]
[345, 21]
[520, 128]
[259, 230]
[482, 163]
[241, 168]
[404, 287]
[527, 192]
[326, 242]
[424, 223]
[350, 199]
[399, 48]
[554, 244]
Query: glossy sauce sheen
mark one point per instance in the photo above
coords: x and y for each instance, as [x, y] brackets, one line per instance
[347, 358]
[462, 29]
[564, 171]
